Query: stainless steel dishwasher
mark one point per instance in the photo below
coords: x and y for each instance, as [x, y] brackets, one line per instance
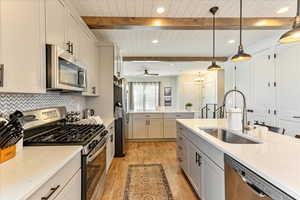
[243, 184]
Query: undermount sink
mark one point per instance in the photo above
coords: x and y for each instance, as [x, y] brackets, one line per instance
[227, 136]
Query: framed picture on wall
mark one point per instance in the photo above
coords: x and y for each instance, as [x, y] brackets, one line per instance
[167, 91]
[168, 101]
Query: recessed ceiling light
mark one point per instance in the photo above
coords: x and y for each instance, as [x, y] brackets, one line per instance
[160, 10]
[283, 10]
[231, 41]
[155, 41]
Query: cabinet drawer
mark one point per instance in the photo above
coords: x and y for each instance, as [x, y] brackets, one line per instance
[179, 115]
[209, 150]
[56, 183]
[148, 116]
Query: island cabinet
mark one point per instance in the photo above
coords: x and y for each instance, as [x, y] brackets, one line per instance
[147, 126]
[155, 125]
[202, 163]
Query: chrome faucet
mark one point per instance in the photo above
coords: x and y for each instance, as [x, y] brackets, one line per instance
[244, 120]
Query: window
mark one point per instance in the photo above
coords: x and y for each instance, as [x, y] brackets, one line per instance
[144, 95]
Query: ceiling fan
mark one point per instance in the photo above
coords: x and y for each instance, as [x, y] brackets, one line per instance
[146, 73]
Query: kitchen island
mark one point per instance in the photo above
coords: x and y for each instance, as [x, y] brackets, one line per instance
[36, 170]
[155, 124]
[275, 157]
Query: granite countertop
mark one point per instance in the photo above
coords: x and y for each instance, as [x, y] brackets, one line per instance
[276, 159]
[21, 176]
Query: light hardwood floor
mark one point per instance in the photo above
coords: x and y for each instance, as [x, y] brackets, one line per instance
[146, 153]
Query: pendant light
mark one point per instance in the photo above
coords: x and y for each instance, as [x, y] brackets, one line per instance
[241, 55]
[214, 66]
[294, 34]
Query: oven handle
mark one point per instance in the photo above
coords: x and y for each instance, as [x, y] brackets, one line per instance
[93, 156]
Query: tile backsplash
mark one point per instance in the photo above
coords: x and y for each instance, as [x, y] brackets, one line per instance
[11, 102]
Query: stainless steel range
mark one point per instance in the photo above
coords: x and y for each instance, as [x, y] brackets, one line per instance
[48, 126]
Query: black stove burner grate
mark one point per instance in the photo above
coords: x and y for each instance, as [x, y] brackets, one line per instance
[66, 134]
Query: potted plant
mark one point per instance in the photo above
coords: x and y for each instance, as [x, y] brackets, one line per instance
[188, 106]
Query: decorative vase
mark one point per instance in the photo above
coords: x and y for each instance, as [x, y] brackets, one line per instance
[188, 108]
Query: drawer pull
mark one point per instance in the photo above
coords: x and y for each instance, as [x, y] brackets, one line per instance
[178, 115]
[147, 115]
[180, 138]
[179, 147]
[180, 160]
[52, 191]
[296, 117]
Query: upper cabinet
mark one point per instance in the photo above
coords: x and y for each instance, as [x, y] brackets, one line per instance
[22, 46]
[56, 23]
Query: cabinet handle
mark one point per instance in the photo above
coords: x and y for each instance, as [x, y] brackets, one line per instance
[179, 147]
[180, 160]
[147, 115]
[178, 115]
[52, 191]
[269, 111]
[94, 90]
[180, 138]
[69, 46]
[72, 48]
[1, 75]
[196, 160]
[296, 117]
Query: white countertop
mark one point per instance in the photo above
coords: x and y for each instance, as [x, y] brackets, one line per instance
[160, 111]
[277, 159]
[21, 176]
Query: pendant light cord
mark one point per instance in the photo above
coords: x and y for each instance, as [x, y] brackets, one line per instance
[241, 19]
[214, 37]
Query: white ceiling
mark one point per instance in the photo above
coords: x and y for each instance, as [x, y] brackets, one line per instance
[165, 68]
[180, 42]
[182, 8]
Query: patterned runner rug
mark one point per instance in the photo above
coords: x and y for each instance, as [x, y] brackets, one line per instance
[147, 182]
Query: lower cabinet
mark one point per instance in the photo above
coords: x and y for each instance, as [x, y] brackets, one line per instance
[195, 167]
[170, 128]
[72, 191]
[206, 177]
[64, 185]
[147, 128]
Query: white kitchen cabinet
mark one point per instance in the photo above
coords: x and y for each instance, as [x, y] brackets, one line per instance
[73, 35]
[56, 23]
[263, 83]
[67, 181]
[140, 128]
[195, 167]
[169, 128]
[202, 164]
[22, 46]
[155, 128]
[110, 145]
[147, 128]
[212, 180]
[72, 191]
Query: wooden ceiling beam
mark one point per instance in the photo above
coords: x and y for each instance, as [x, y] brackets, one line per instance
[266, 23]
[175, 59]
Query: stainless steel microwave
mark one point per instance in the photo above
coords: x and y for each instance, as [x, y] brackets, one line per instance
[64, 73]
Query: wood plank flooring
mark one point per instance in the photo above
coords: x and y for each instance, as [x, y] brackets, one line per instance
[146, 153]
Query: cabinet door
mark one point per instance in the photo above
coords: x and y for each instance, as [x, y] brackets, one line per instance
[140, 128]
[155, 128]
[73, 34]
[72, 191]
[212, 180]
[55, 23]
[288, 91]
[22, 46]
[195, 166]
[169, 128]
[263, 86]
[185, 155]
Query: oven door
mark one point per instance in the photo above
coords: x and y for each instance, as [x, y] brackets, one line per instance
[95, 165]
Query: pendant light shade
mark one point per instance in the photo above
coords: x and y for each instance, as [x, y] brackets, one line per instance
[241, 55]
[294, 34]
[214, 66]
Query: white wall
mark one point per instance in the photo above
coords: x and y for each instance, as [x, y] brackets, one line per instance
[166, 81]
